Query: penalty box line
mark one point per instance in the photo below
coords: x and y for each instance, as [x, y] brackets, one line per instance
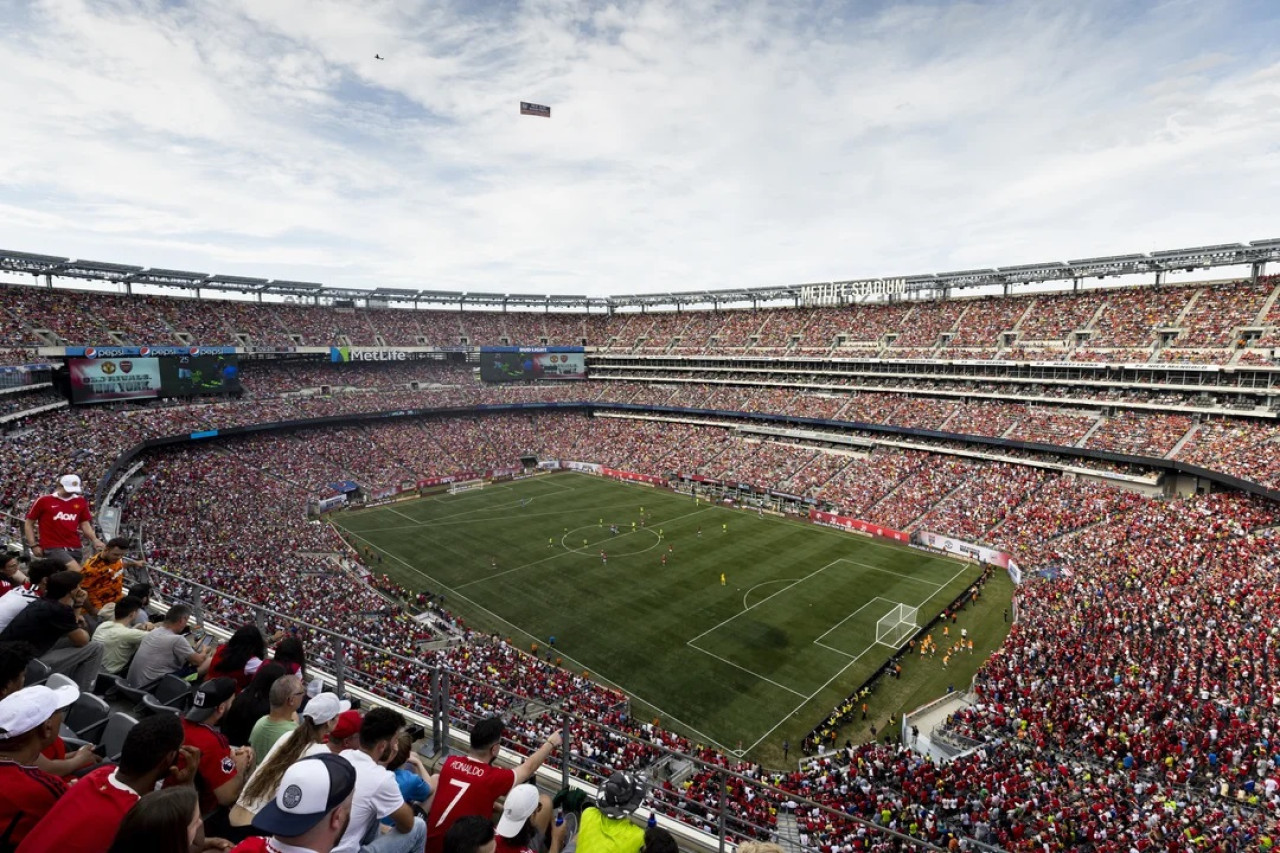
[843, 670]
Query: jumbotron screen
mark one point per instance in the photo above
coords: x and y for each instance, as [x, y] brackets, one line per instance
[511, 364]
[107, 380]
[189, 375]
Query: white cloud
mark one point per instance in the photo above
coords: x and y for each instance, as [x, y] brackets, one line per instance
[693, 144]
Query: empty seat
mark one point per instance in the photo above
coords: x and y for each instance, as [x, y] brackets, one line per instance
[172, 690]
[88, 716]
[127, 693]
[37, 672]
[118, 725]
[57, 679]
[153, 705]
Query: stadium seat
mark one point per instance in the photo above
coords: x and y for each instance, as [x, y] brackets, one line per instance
[37, 672]
[172, 691]
[127, 693]
[87, 716]
[118, 725]
[152, 705]
[57, 679]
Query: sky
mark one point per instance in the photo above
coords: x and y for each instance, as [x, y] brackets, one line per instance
[692, 145]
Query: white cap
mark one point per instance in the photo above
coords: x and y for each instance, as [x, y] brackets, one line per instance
[25, 710]
[521, 802]
[70, 483]
[325, 707]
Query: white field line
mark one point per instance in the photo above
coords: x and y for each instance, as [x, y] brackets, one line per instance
[828, 682]
[751, 672]
[595, 674]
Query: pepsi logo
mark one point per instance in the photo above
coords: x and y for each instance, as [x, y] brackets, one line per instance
[193, 350]
[90, 352]
[144, 351]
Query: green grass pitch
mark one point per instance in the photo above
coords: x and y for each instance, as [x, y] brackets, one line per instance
[743, 665]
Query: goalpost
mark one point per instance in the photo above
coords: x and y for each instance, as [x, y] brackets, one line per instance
[465, 486]
[897, 625]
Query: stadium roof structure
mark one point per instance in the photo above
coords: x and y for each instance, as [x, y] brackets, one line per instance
[1257, 254]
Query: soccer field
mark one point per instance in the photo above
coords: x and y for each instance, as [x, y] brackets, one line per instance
[763, 656]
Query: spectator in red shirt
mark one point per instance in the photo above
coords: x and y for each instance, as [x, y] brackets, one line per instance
[239, 657]
[61, 517]
[29, 721]
[222, 770]
[162, 822]
[102, 798]
[11, 576]
[470, 784]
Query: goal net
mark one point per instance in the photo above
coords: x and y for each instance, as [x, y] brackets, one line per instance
[897, 625]
[465, 486]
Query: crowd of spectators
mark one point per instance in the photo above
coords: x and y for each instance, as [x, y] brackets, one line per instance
[1121, 324]
[1132, 549]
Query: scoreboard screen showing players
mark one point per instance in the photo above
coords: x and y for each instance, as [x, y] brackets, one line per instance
[531, 364]
[189, 375]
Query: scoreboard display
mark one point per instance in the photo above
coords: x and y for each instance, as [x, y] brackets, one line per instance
[531, 364]
[110, 378]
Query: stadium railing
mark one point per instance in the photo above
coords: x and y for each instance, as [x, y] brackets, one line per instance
[440, 719]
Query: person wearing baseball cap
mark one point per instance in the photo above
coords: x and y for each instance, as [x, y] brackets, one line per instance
[315, 723]
[520, 823]
[222, 770]
[607, 827]
[61, 517]
[346, 731]
[29, 722]
[309, 812]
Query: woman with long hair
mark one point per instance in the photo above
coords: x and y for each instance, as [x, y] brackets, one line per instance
[292, 656]
[166, 821]
[253, 703]
[240, 657]
[314, 726]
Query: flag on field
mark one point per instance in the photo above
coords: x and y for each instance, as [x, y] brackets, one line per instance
[528, 109]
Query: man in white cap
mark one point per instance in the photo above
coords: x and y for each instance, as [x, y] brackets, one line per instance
[310, 811]
[29, 722]
[61, 518]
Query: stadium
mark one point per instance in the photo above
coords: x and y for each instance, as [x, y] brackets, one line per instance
[730, 540]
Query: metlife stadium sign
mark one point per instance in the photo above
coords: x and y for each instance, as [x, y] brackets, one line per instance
[843, 292]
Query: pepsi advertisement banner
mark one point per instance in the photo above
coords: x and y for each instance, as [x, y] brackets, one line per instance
[514, 366]
[144, 351]
[104, 380]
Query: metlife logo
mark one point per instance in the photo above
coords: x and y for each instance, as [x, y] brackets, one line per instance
[339, 355]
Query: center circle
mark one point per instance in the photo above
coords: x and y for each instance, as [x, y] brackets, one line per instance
[600, 539]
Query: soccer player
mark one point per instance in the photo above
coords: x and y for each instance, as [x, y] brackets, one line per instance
[722, 579]
[470, 784]
[61, 517]
[724, 528]
[550, 542]
[604, 558]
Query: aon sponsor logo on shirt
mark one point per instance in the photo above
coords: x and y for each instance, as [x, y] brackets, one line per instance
[64, 516]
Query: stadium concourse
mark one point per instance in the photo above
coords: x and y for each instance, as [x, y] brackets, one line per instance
[1133, 706]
